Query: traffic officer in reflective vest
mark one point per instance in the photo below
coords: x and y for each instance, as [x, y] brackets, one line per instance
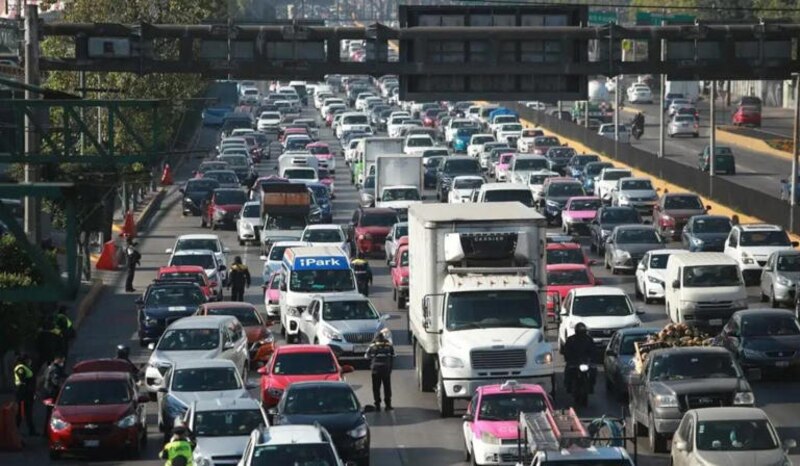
[178, 452]
[238, 279]
[381, 356]
[25, 386]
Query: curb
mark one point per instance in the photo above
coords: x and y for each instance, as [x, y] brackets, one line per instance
[87, 303]
[747, 142]
[150, 208]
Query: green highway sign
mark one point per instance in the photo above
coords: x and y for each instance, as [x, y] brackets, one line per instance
[602, 17]
[655, 19]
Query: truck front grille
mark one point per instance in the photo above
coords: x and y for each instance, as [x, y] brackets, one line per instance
[498, 359]
[705, 400]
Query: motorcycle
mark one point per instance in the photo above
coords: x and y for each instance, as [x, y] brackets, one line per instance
[362, 282]
[637, 129]
[583, 379]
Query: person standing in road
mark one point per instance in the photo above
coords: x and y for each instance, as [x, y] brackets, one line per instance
[363, 273]
[178, 452]
[133, 259]
[25, 387]
[64, 323]
[54, 378]
[124, 353]
[238, 279]
[381, 356]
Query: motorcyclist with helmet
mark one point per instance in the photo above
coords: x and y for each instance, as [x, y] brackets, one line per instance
[578, 349]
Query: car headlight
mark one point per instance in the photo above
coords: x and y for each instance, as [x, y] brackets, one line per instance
[552, 204]
[275, 392]
[624, 200]
[331, 334]
[783, 280]
[201, 459]
[128, 421]
[666, 401]
[605, 233]
[452, 362]
[655, 280]
[489, 439]
[688, 305]
[622, 254]
[293, 311]
[544, 358]
[247, 226]
[750, 353]
[746, 259]
[359, 432]
[697, 242]
[744, 398]
[267, 340]
[57, 423]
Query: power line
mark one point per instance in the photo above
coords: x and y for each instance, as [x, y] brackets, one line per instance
[645, 7]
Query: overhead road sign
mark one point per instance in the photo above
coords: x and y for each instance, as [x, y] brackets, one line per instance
[597, 18]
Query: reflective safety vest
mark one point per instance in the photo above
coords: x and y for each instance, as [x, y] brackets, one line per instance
[178, 448]
[63, 322]
[22, 374]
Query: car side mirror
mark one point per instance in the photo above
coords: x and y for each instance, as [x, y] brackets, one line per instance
[392, 264]
[368, 409]
[681, 445]
[308, 317]
[635, 378]
[640, 312]
[346, 369]
[221, 268]
[162, 390]
[282, 287]
[708, 207]
[228, 345]
[262, 258]
[226, 250]
[139, 301]
[262, 370]
[788, 444]
[151, 346]
[468, 417]
[49, 402]
[676, 284]
[640, 266]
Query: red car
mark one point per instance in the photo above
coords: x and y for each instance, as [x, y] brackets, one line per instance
[370, 226]
[193, 273]
[98, 410]
[567, 253]
[563, 277]
[322, 152]
[747, 116]
[292, 131]
[298, 363]
[429, 117]
[399, 272]
[223, 207]
[260, 341]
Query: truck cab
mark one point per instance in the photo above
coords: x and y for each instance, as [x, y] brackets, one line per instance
[474, 308]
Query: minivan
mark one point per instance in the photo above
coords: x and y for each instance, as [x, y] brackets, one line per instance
[703, 289]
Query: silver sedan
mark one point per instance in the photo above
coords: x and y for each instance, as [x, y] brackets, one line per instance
[779, 278]
[685, 125]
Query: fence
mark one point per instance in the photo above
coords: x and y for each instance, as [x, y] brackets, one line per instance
[756, 203]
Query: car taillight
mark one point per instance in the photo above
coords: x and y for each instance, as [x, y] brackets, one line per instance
[667, 221]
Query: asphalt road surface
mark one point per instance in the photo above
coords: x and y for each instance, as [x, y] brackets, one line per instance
[413, 434]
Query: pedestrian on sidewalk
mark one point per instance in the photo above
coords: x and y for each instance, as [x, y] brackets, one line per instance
[381, 356]
[25, 388]
[54, 378]
[133, 259]
[238, 279]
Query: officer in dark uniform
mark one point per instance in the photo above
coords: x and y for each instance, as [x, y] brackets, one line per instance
[54, 378]
[133, 259]
[24, 386]
[363, 273]
[381, 356]
[238, 279]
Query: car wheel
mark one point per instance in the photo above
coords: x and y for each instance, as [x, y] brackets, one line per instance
[401, 301]
[467, 454]
[658, 442]
[241, 242]
[764, 298]
[55, 455]
[772, 302]
[202, 222]
[394, 294]
[445, 403]
[636, 291]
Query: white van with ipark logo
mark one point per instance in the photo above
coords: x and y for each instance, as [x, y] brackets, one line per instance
[310, 271]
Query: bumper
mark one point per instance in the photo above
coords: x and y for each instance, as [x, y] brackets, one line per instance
[750, 272]
[666, 425]
[345, 350]
[352, 449]
[500, 455]
[784, 294]
[771, 363]
[102, 439]
[368, 246]
[465, 388]
[273, 310]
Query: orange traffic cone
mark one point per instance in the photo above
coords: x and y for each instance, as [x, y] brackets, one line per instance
[129, 226]
[108, 258]
[9, 436]
[166, 176]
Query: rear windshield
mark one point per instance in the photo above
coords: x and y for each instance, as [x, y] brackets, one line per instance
[95, 392]
[613, 175]
[567, 277]
[683, 203]
[530, 164]
[565, 256]
[378, 220]
[237, 197]
[585, 204]
[509, 195]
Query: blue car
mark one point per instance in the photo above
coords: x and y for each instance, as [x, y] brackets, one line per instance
[323, 197]
[215, 116]
[590, 171]
[706, 233]
[163, 303]
[461, 139]
[576, 164]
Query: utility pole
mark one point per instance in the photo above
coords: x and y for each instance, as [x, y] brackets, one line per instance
[663, 85]
[712, 142]
[32, 78]
[795, 151]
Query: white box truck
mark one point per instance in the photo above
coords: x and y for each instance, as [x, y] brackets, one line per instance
[689, 89]
[475, 314]
[369, 149]
[398, 181]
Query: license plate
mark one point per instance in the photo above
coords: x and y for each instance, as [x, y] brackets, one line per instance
[782, 364]
[91, 443]
[715, 322]
[359, 348]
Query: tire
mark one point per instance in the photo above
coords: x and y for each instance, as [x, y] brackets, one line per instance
[605, 262]
[241, 242]
[213, 225]
[401, 302]
[772, 302]
[394, 294]
[446, 405]
[467, 454]
[202, 222]
[658, 442]
[638, 294]
[426, 380]
[764, 298]
[55, 455]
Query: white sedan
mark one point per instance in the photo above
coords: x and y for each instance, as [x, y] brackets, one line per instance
[650, 274]
[463, 187]
[248, 223]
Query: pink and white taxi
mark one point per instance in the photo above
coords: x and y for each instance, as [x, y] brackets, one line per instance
[323, 154]
[490, 425]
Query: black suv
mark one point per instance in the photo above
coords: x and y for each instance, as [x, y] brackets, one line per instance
[451, 167]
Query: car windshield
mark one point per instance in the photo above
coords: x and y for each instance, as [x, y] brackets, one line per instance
[189, 339]
[235, 160]
[530, 164]
[683, 203]
[507, 406]
[320, 400]
[423, 141]
[194, 277]
[580, 161]
[323, 235]
[175, 296]
[636, 185]
[505, 159]
[601, 306]
[297, 143]
[509, 195]
[223, 177]
[593, 169]
[205, 261]
[251, 211]
[565, 190]
[538, 179]
[374, 219]
[369, 183]
[246, 315]
[545, 141]
[205, 379]
[659, 261]
[491, 309]
[466, 132]
[435, 152]
[467, 183]
[565, 256]
[348, 310]
[637, 236]
[626, 347]
[567, 277]
[285, 222]
[478, 140]
[271, 116]
[321, 192]
[200, 186]
[226, 197]
[227, 423]
[194, 244]
[619, 216]
[294, 454]
[769, 326]
[319, 281]
[462, 166]
[736, 435]
[94, 392]
[209, 166]
[355, 120]
[511, 127]
[614, 175]
[764, 238]
[561, 153]
[684, 119]
[585, 204]
[700, 276]
[304, 364]
[692, 365]
[401, 194]
[711, 225]
[788, 263]
[300, 174]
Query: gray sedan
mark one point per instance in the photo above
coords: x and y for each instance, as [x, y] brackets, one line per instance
[628, 243]
[618, 358]
[779, 278]
[683, 125]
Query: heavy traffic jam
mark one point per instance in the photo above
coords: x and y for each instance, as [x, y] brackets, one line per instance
[529, 283]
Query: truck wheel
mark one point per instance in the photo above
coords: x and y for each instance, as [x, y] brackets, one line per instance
[426, 375]
[445, 403]
[658, 442]
[401, 301]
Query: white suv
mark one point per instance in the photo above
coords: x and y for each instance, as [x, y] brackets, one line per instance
[651, 273]
[603, 309]
[751, 246]
[271, 445]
